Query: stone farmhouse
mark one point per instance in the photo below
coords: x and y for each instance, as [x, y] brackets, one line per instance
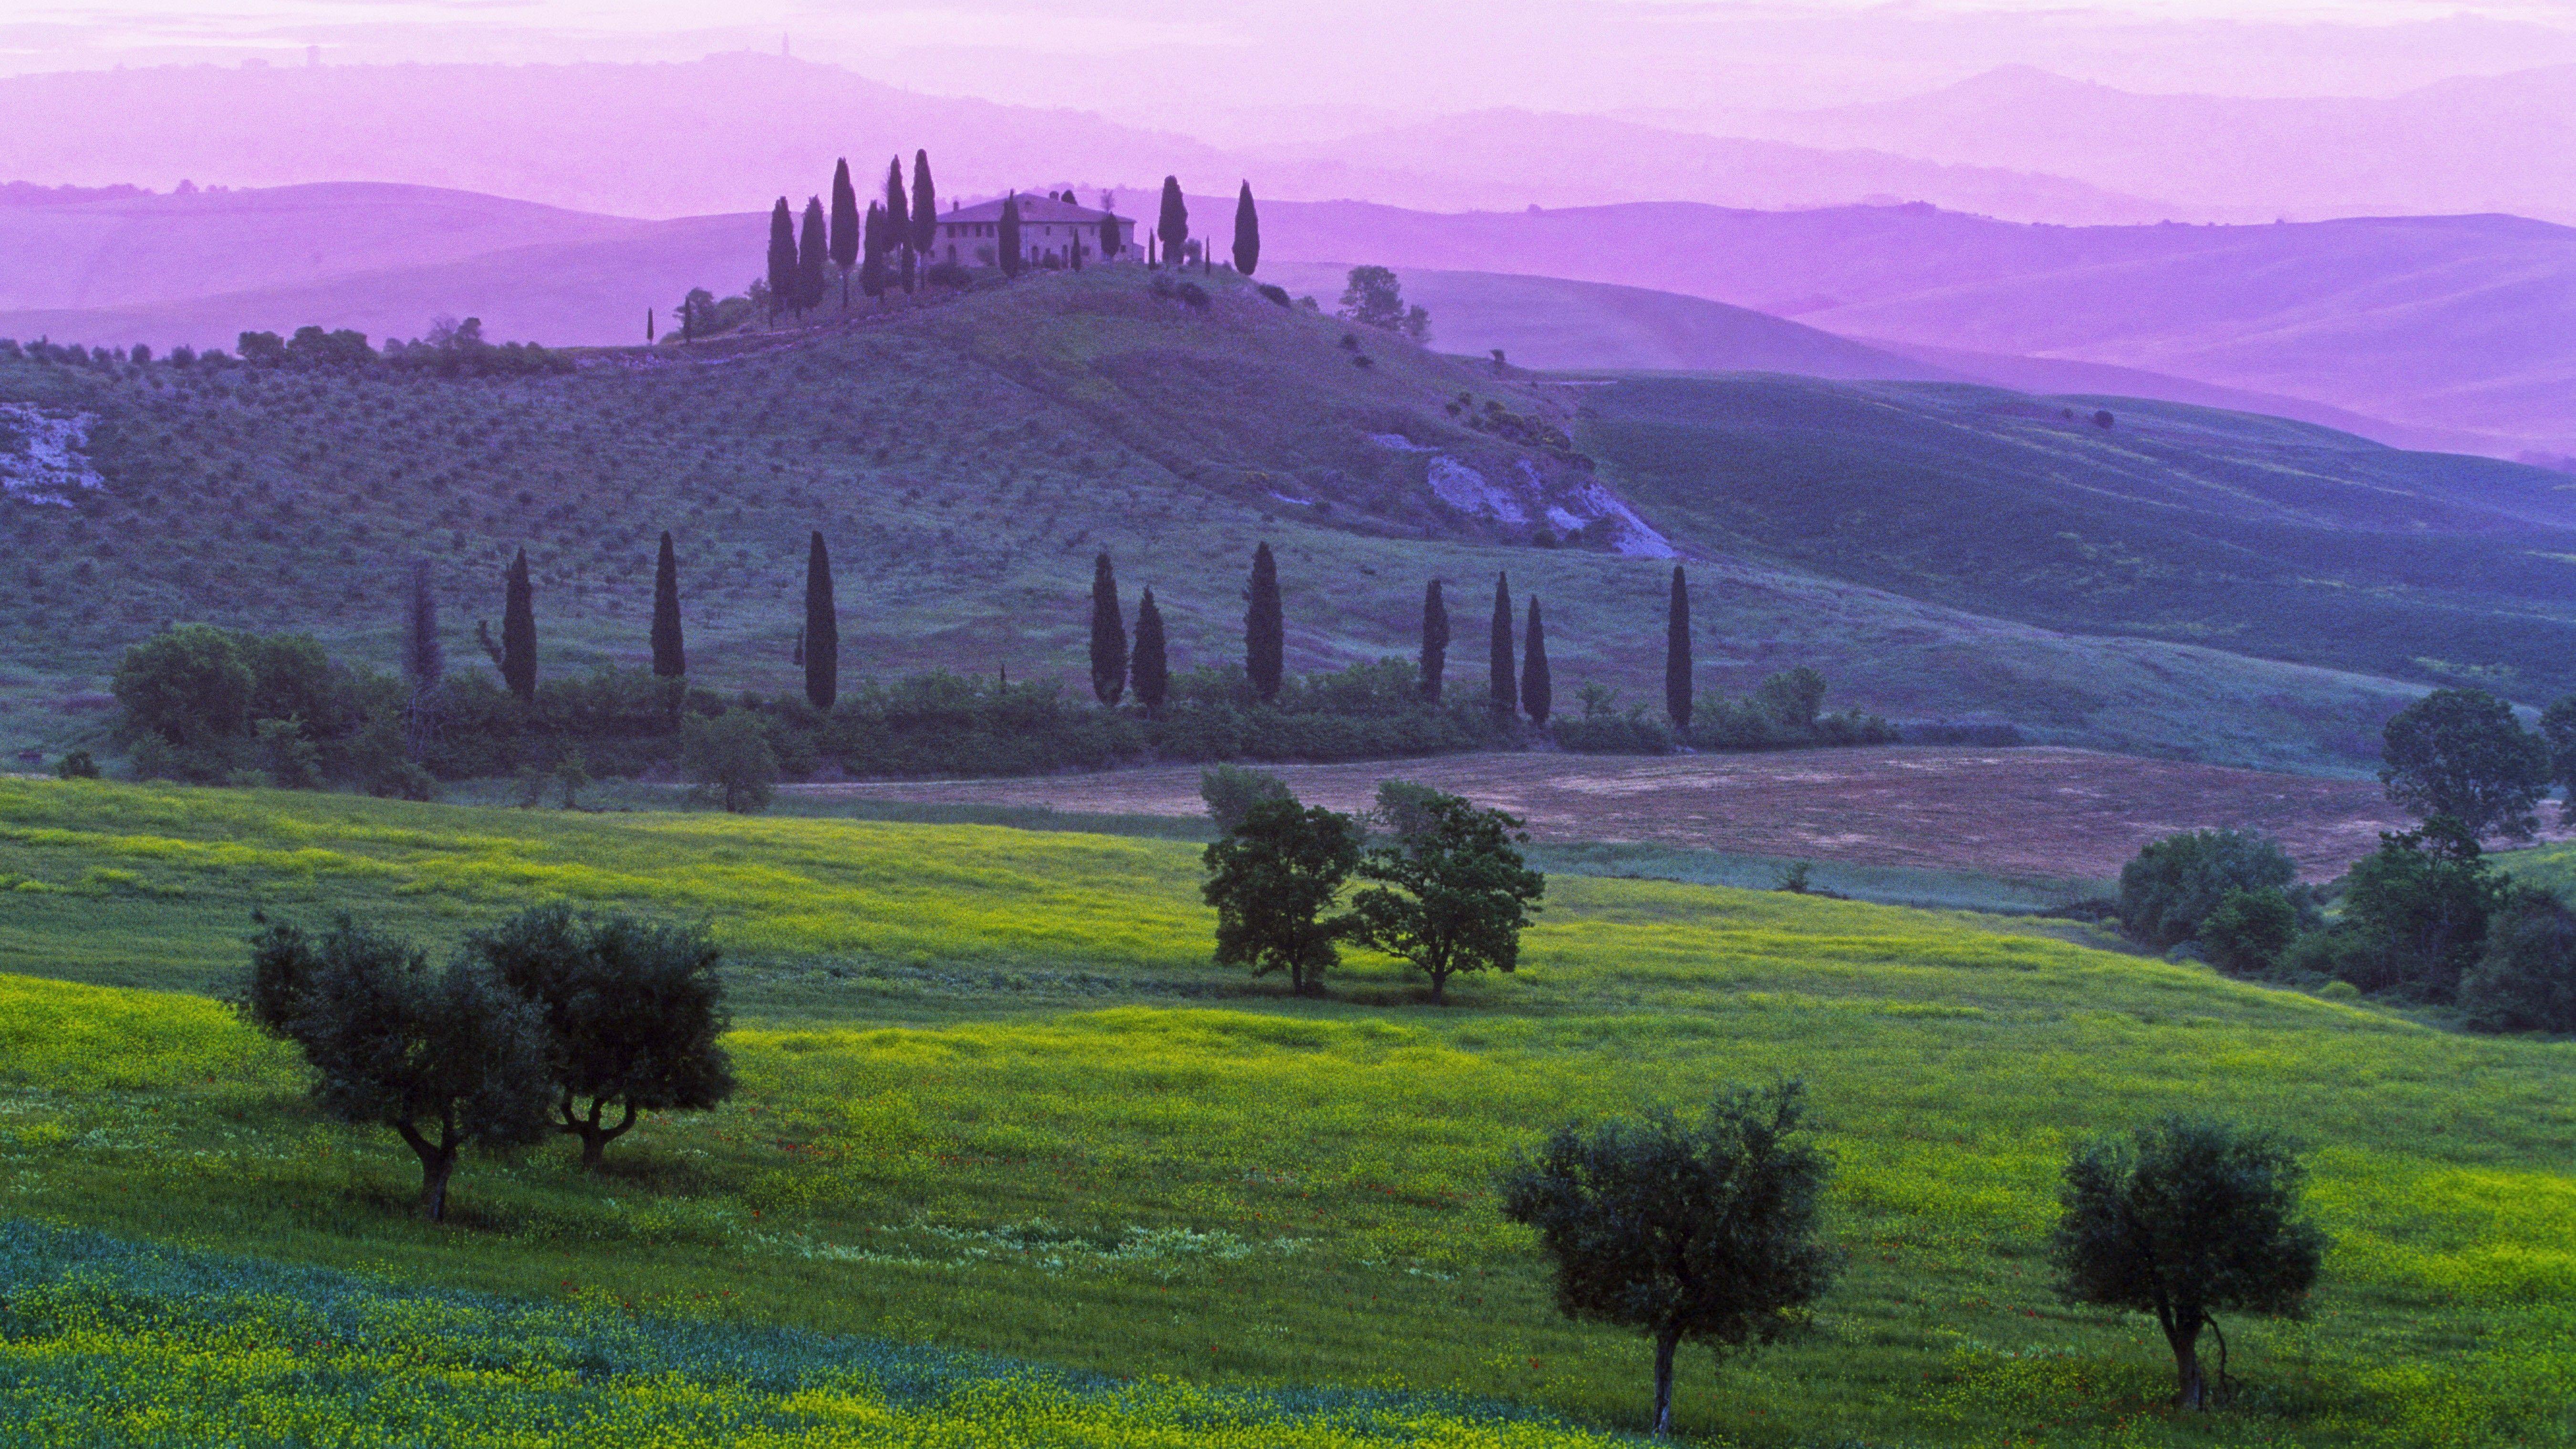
[1049, 230]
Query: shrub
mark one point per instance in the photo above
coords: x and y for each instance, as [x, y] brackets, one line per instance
[76, 765]
[1231, 792]
[187, 685]
[730, 760]
[1276, 294]
[2250, 930]
[2173, 885]
[1706, 1232]
[2525, 979]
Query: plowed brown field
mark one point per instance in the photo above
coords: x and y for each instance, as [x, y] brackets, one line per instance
[2031, 812]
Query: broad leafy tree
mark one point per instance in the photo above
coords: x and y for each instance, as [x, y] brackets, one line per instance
[1372, 297]
[1265, 627]
[1108, 634]
[1271, 879]
[187, 685]
[2420, 904]
[2461, 753]
[2173, 884]
[1454, 896]
[2558, 734]
[1150, 668]
[2525, 980]
[1703, 1232]
[633, 1013]
[448, 1057]
[670, 653]
[730, 759]
[822, 628]
[1435, 640]
[2183, 1220]
[1677, 653]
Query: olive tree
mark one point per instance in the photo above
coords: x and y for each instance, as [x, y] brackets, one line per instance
[448, 1057]
[1453, 896]
[1271, 879]
[633, 1013]
[730, 759]
[2186, 1218]
[2461, 753]
[1702, 1232]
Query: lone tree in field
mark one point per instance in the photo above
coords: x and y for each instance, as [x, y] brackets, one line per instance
[1108, 634]
[1265, 627]
[1435, 640]
[1151, 666]
[1701, 1233]
[822, 628]
[1173, 227]
[1452, 896]
[925, 205]
[670, 655]
[845, 226]
[1271, 879]
[2187, 1218]
[2461, 753]
[1247, 233]
[519, 631]
[1677, 654]
[730, 760]
[1502, 689]
[1007, 236]
[632, 1010]
[813, 256]
[782, 257]
[1537, 690]
[899, 217]
[447, 1057]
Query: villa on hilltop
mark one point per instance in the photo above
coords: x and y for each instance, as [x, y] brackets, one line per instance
[1049, 228]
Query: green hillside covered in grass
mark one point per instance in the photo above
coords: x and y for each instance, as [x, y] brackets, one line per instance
[996, 1101]
[966, 456]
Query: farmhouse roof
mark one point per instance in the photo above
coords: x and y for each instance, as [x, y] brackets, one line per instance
[1035, 207]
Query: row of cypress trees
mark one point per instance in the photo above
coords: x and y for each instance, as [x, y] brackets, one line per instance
[885, 245]
[1524, 685]
[1172, 226]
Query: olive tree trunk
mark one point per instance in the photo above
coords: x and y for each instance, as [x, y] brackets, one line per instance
[2191, 1388]
[437, 1165]
[594, 1136]
[1665, 1343]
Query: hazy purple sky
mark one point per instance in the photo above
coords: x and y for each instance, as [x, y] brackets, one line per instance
[1276, 68]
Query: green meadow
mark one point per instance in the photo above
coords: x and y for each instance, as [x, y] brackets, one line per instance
[996, 1102]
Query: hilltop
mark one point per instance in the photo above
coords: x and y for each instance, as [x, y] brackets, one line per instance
[965, 458]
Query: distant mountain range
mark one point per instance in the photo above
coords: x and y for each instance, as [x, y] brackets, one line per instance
[2452, 333]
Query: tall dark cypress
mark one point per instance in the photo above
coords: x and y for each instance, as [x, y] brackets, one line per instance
[813, 256]
[1536, 692]
[1108, 634]
[519, 632]
[845, 227]
[1435, 640]
[1677, 654]
[670, 658]
[925, 205]
[899, 219]
[1009, 235]
[782, 258]
[872, 269]
[1174, 227]
[1247, 233]
[1151, 667]
[424, 663]
[822, 629]
[1265, 627]
[1505, 688]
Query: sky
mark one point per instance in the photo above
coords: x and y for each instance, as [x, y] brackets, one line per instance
[1284, 69]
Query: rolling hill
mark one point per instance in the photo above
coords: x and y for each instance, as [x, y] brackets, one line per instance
[966, 457]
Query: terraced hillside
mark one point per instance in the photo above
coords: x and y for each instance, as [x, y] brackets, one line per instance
[997, 1101]
[965, 458]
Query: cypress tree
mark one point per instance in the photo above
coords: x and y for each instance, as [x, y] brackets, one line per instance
[1536, 693]
[424, 663]
[898, 218]
[1108, 634]
[1265, 628]
[822, 629]
[845, 227]
[1677, 654]
[1247, 233]
[782, 257]
[925, 206]
[670, 660]
[1435, 640]
[519, 632]
[872, 270]
[1506, 695]
[813, 255]
[1009, 237]
[1152, 666]
[1174, 227]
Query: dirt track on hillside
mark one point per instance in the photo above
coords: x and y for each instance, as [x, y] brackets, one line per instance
[2036, 812]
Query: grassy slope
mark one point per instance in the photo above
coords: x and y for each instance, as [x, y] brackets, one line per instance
[2252, 534]
[978, 1112]
[965, 460]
